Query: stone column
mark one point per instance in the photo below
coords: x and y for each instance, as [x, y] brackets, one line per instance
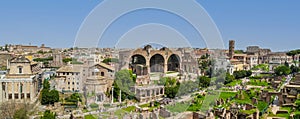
[6, 91]
[19, 90]
[148, 66]
[31, 91]
[25, 91]
[112, 95]
[13, 90]
[166, 67]
[1, 92]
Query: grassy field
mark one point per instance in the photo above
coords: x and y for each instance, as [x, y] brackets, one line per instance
[129, 109]
[178, 107]
[89, 117]
[226, 95]
[234, 83]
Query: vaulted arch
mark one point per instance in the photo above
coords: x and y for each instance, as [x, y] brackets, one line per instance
[174, 63]
[157, 63]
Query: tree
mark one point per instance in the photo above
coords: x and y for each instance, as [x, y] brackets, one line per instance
[108, 60]
[229, 78]
[204, 81]
[48, 115]
[242, 74]
[66, 60]
[6, 47]
[171, 87]
[49, 96]
[75, 97]
[282, 70]
[294, 69]
[124, 79]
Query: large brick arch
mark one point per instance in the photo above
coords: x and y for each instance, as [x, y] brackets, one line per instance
[173, 62]
[157, 63]
[147, 52]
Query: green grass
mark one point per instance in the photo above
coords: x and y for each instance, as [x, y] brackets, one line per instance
[226, 95]
[261, 105]
[248, 111]
[89, 117]
[280, 115]
[129, 109]
[119, 113]
[178, 107]
[257, 83]
[289, 109]
[234, 83]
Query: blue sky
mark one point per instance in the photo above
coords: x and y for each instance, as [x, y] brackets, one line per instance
[271, 24]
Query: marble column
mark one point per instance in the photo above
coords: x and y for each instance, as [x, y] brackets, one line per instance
[166, 67]
[25, 91]
[31, 91]
[6, 91]
[13, 90]
[19, 91]
[1, 92]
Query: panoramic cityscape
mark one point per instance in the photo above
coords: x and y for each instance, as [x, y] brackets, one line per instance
[120, 62]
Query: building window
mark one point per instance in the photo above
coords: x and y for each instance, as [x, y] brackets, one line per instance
[102, 73]
[20, 69]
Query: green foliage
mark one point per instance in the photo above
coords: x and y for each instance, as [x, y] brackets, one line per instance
[129, 109]
[262, 105]
[187, 87]
[108, 60]
[43, 59]
[293, 52]
[75, 97]
[282, 70]
[297, 102]
[124, 79]
[48, 115]
[229, 78]
[49, 97]
[294, 69]
[41, 52]
[226, 95]
[197, 103]
[264, 67]
[89, 117]
[171, 86]
[66, 60]
[203, 81]
[46, 85]
[242, 74]
[239, 52]
[257, 82]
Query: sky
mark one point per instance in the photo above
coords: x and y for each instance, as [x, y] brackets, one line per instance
[271, 24]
